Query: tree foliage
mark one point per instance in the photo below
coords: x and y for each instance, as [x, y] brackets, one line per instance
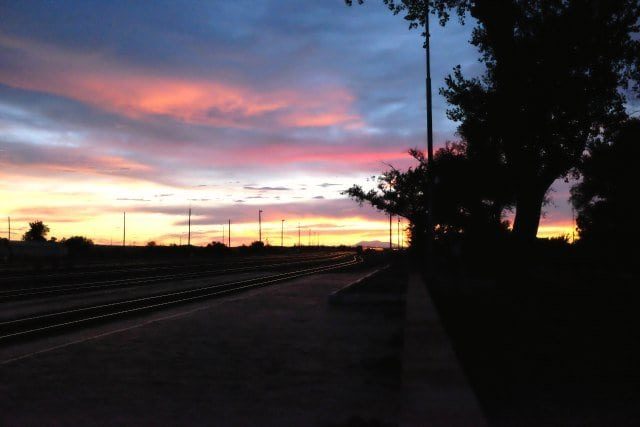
[37, 232]
[77, 242]
[465, 201]
[602, 199]
[557, 73]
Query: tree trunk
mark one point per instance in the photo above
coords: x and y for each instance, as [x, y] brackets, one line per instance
[528, 210]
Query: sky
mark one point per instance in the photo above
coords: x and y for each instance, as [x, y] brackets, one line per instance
[226, 107]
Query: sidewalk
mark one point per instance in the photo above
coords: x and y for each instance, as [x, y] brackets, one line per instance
[435, 391]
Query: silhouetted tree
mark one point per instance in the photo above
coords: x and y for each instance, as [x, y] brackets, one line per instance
[556, 76]
[77, 242]
[37, 232]
[152, 244]
[609, 184]
[217, 248]
[216, 245]
[256, 246]
[78, 245]
[465, 200]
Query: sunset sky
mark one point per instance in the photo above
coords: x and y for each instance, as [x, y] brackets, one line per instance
[224, 106]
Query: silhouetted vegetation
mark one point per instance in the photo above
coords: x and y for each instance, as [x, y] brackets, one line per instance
[218, 248]
[604, 196]
[37, 232]
[77, 243]
[466, 199]
[556, 75]
[542, 329]
[257, 246]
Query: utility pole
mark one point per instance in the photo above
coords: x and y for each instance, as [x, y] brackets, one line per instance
[282, 234]
[430, 234]
[573, 225]
[9, 230]
[189, 229]
[229, 232]
[390, 232]
[260, 225]
[124, 229]
[298, 235]
[223, 239]
[309, 237]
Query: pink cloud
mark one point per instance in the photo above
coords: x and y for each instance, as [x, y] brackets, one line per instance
[137, 93]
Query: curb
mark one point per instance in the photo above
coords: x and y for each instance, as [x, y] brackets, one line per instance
[435, 390]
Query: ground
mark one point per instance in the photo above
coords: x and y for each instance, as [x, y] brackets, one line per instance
[275, 356]
[552, 344]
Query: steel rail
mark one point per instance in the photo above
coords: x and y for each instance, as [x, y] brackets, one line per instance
[30, 326]
[14, 294]
[132, 269]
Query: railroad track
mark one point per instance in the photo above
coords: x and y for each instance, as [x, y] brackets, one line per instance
[31, 326]
[32, 292]
[66, 275]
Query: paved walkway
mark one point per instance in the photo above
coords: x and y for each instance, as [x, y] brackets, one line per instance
[278, 356]
[435, 390]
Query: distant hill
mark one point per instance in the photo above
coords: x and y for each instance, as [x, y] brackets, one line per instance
[374, 244]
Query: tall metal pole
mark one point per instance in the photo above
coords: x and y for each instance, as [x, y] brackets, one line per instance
[124, 228]
[260, 225]
[229, 233]
[282, 234]
[189, 229]
[390, 232]
[298, 234]
[429, 100]
[223, 239]
[9, 231]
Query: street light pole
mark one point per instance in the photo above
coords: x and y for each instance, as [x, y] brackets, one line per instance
[282, 234]
[430, 233]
